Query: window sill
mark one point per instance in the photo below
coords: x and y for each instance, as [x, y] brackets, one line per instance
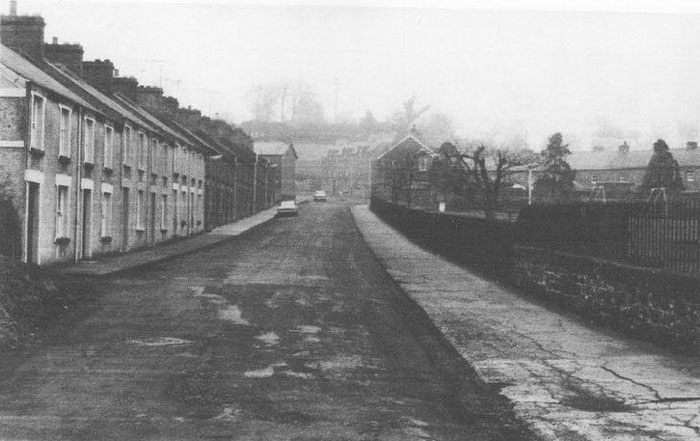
[63, 159]
[63, 241]
[140, 230]
[88, 165]
[126, 166]
[106, 239]
[37, 153]
[108, 169]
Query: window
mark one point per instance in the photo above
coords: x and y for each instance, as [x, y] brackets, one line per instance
[89, 144]
[183, 212]
[594, 178]
[106, 214]
[139, 208]
[155, 166]
[164, 212]
[623, 177]
[690, 176]
[142, 147]
[423, 163]
[128, 151]
[109, 147]
[64, 135]
[38, 117]
[164, 169]
[62, 211]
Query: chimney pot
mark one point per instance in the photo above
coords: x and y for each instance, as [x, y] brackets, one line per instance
[54, 40]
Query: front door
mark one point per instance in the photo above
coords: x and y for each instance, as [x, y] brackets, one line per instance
[125, 219]
[152, 223]
[87, 223]
[32, 233]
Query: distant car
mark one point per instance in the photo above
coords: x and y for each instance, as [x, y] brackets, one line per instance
[287, 208]
[320, 196]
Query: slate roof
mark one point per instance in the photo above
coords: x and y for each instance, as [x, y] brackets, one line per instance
[33, 73]
[150, 118]
[410, 139]
[273, 148]
[98, 97]
[614, 160]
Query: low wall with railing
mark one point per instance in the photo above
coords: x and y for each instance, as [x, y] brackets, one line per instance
[481, 243]
[649, 303]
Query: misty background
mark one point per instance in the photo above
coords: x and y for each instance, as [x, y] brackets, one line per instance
[598, 77]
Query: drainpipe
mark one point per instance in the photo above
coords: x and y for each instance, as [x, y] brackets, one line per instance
[235, 186]
[255, 182]
[529, 186]
[79, 200]
[25, 187]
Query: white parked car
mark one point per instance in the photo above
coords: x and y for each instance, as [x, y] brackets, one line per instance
[319, 196]
[287, 208]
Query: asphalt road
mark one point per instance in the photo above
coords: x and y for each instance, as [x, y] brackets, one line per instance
[292, 332]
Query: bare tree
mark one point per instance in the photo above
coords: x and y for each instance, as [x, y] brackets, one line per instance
[262, 101]
[284, 100]
[447, 174]
[488, 168]
[400, 175]
[436, 128]
[404, 119]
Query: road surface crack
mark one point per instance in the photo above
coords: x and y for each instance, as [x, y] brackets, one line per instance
[622, 377]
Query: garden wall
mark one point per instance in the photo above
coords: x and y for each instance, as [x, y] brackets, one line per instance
[647, 303]
[478, 242]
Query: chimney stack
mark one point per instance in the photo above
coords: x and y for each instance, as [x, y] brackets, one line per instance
[23, 33]
[149, 97]
[127, 86]
[624, 148]
[70, 55]
[13, 8]
[99, 74]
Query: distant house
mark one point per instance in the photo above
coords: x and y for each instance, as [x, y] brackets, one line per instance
[401, 174]
[623, 165]
[619, 170]
[281, 158]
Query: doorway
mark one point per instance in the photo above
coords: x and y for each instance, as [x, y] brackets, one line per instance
[32, 245]
[152, 223]
[125, 219]
[87, 223]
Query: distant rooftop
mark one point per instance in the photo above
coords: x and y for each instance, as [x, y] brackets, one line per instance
[273, 148]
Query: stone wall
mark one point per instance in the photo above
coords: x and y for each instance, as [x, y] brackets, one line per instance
[644, 303]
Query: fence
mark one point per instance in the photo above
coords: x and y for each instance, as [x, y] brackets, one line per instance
[662, 236]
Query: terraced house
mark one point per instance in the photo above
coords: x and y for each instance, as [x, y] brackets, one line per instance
[87, 169]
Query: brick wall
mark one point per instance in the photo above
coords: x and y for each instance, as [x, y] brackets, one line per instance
[644, 303]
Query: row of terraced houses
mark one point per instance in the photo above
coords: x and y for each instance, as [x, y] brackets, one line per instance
[93, 163]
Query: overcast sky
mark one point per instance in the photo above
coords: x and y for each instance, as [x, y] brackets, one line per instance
[542, 69]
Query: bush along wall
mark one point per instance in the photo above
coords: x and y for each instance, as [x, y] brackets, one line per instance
[645, 303]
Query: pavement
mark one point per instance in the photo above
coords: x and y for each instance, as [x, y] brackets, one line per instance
[108, 265]
[566, 379]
